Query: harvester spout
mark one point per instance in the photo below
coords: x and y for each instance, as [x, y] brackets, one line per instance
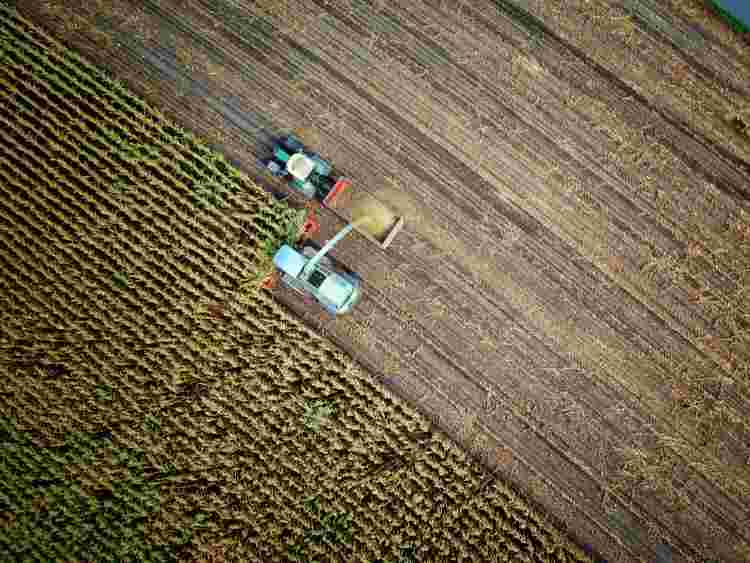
[313, 262]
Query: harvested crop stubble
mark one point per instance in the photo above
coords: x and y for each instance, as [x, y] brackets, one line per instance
[154, 407]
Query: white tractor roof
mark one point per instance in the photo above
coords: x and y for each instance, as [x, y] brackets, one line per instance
[300, 166]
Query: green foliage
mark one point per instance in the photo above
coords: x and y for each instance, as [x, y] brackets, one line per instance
[407, 554]
[24, 105]
[104, 392]
[334, 528]
[377, 20]
[522, 20]
[152, 423]
[5, 43]
[120, 280]
[128, 150]
[733, 21]
[56, 516]
[294, 225]
[209, 193]
[331, 528]
[296, 552]
[120, 185]
[316, 413]
[645, 11]
[270, 247]
[617, 520]
[290, 234]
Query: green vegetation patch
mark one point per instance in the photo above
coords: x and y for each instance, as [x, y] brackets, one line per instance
[522, 20]
[60, 503]
[646, 12]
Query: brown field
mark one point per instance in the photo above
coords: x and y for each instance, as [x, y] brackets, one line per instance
[157, 404]
[569, 298]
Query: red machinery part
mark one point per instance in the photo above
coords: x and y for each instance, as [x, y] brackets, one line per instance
[270, 281]
[339, 188]
[310, 226]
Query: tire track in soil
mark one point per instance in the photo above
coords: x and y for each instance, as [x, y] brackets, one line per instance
[520, 436]
[394, 345]
[480, 185]
[729, 82]
[708, 42]
[658, 226]
[618, 428]
[692, 142]
[703, 70]
[330, 69]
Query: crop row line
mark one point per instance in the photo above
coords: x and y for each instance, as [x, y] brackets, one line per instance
[210, 165]
[229, 276]
[290, 413]
[127, 152]
[83, 267]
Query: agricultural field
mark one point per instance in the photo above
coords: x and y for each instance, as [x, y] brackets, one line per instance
[569, 298]
[157, 403]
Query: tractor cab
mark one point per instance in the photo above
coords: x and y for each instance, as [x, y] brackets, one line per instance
[336, 290]
[305, 171]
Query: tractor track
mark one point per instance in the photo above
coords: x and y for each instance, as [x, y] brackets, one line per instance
[700, 144]
[443, 339]
[472, 376]
[479, 182]
[703, 70]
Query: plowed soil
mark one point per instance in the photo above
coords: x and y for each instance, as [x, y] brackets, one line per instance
[569, 295]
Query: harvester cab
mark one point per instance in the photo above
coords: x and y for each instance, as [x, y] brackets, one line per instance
[309, 270]
[305, 171]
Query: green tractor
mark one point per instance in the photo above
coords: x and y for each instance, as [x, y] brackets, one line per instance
[305, 171]
[306, 266]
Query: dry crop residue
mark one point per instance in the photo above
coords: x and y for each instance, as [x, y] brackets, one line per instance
[155, 404]
[576, 240]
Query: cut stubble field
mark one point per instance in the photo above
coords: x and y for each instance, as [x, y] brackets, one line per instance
[572, 283]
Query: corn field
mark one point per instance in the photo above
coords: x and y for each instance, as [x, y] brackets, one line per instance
[156, 403]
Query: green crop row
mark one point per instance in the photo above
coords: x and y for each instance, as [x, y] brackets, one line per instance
[206, 172]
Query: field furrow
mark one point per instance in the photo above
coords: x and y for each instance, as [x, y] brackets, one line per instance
[156, 404]
[581, 216]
